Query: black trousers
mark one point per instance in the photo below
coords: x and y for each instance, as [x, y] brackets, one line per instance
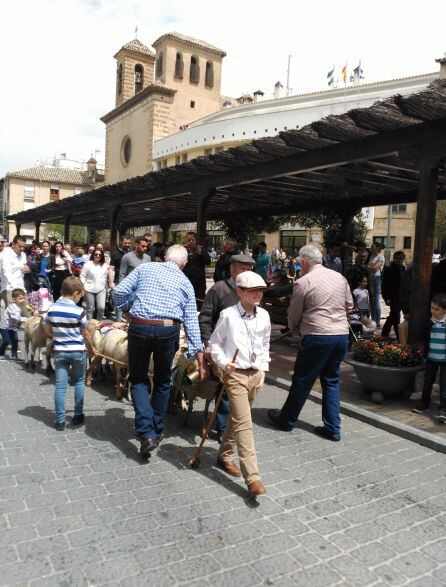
[429, 380]
[59, 276]
[393, 319]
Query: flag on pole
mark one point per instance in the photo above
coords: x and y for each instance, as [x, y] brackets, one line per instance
[358, 71]
[344, 73]
[330, 77]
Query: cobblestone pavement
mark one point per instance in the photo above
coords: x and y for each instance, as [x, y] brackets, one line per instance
[80, 508]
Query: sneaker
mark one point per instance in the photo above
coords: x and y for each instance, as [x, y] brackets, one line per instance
[325, 433]
[421, 408]
[2, 358]
[441, 416]
[77, 419]
[59, 426]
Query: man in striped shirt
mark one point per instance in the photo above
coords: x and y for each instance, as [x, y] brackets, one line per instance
[66, 323]
[317, 314]
[436, 358]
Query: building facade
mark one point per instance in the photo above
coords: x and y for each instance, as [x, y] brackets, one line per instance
[27, 188]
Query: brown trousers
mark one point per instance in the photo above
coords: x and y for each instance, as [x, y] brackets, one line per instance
[241, 389]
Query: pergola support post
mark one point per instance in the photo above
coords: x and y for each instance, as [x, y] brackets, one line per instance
[424, 242]
[166, 229]
[66, 229]
[203, 199]
[122, 229]
[37, 224]
[18, 227]
[114, 228]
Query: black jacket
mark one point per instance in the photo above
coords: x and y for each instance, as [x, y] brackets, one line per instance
[195, 272]
[391, 282]
[221, 295]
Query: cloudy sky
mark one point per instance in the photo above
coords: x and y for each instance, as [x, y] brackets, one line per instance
[58, 71]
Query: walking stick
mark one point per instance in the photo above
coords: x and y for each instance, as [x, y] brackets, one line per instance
[195, 461]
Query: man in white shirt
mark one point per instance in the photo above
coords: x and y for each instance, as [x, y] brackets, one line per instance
[12, 269]
[246, 328]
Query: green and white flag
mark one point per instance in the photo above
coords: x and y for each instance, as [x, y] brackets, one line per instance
[330, 77]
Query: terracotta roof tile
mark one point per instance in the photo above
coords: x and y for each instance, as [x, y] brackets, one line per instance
[190, 41]
[138, 47]
[53, 174]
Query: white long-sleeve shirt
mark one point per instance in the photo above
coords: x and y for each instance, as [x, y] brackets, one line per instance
[94, 276]
[11, 274]
[249, 334]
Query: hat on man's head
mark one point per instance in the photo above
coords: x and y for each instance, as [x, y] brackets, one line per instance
[250, 280]
[242, 259]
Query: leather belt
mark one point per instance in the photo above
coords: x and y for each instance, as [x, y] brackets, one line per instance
[167, 322]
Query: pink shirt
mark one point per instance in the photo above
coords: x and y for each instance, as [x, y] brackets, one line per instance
[320, 302]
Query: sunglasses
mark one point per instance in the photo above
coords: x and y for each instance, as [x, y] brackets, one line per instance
[97, 255]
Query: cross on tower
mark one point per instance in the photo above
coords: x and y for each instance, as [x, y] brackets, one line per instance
[136, 32]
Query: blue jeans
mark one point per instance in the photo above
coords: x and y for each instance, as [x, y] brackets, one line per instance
[376, 305]
[320, 356]
[64, 360]
[162, 341]
[9, 337]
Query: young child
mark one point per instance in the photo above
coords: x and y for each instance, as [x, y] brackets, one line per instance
[66, 323]
[78, 261]
[10, 322]
[362, 299]
[245, 327]
[436, 358]
[35, 298]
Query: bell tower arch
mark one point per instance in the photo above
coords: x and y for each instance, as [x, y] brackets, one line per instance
[134, 70]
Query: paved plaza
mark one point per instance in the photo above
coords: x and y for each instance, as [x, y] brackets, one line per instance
[80, 508]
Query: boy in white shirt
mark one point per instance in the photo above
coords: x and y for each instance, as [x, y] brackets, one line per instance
[245, 327]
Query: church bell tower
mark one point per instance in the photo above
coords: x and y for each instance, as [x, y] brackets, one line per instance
[134, 70]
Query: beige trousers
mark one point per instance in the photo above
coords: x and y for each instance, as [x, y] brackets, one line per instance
[241, 389]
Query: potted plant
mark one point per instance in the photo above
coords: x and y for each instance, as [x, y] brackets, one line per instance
[385, 368]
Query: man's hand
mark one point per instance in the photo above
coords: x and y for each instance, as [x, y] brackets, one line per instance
[262, 381]
[203, 368]
[230, 368]
[25, 269]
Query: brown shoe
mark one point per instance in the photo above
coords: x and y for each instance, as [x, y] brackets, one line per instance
[230, 467]
[255, 489]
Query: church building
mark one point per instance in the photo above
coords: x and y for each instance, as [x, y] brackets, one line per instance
[158, 93]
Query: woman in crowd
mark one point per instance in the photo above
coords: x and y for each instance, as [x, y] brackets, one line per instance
[95, 276]
[375, 266]
[46, 266]
[263, 260]
[62, 261]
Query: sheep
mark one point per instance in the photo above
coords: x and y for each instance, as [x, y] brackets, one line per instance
[36, 337]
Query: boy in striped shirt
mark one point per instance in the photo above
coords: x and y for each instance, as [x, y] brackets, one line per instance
[66, 324]
[436, 358]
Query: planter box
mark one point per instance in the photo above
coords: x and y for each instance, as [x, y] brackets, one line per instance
[384, 382]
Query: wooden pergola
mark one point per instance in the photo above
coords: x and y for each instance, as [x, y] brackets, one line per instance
[392, 152]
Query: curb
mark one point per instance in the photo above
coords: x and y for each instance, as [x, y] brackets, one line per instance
[383, 422]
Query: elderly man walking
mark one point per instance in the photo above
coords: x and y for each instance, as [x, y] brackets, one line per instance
[161, 298]
[13, 268]
[318, 314]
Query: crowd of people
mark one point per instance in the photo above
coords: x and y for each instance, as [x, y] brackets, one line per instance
[158, 290]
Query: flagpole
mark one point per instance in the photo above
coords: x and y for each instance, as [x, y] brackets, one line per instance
[359, 82]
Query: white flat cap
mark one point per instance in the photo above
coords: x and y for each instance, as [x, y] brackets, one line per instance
[250, 280]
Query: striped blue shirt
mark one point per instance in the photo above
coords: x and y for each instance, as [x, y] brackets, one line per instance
[66, 320]
[437, 343]
[159, 291]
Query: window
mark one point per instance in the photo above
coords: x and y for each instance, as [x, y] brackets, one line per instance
[209, 77]
[184, 158]
[77, 191]
[28, 205]
[179, 65]
[399, 208]
[119, 78]
[54, 192]
[139, 78]
[208, 151]
[159, 65]
[407, 242]
[177, 160]
[292, 239]
[126, 151]
[194, 74]
[29, 191]
[382, 240]
[192, 103]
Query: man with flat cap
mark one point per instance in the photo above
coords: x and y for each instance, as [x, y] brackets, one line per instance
[221, 295]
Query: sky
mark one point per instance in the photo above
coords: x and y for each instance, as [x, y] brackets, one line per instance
[58, 71]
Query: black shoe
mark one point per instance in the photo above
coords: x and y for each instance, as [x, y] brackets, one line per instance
[77, 419]
[147, 445]
[274, 417]
[420, 408]
[322, 431]
[59, 426]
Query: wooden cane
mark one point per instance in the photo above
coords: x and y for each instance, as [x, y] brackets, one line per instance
[195, 461]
